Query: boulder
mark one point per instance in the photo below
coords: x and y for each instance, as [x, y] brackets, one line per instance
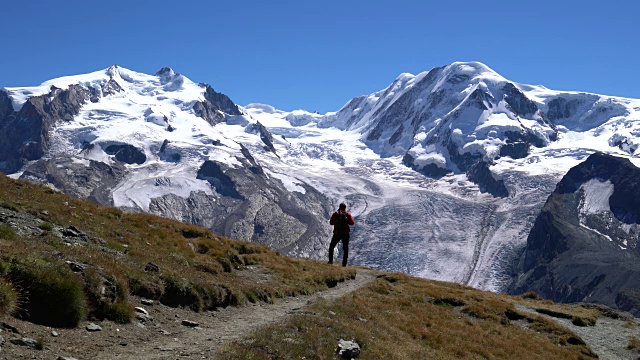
[348, 349]
[93, 327]
[28, 342]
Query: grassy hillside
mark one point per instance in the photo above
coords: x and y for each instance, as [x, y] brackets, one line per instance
[65, 260]
[56, 251]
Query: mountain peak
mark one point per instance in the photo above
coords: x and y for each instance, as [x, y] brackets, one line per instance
[113, 70]
[165, 71]
[472, 69]
[405, 76]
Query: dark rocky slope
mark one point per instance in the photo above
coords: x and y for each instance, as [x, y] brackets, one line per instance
[574, 253]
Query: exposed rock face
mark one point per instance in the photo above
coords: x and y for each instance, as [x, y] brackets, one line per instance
[518, 102]
[481, 175]
[126, 153]
[214, 174]
[584, 244]
[265, 136]
[561, 108]
[5, 106]
[26, 134]
[77, 177]
[250, 205]
[214, 105]
[111, 87]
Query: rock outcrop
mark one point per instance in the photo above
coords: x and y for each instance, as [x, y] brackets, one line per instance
[250, 205]
[214, 106]
[26, 133]
[584, 244]
[77, 177]
[486, 181]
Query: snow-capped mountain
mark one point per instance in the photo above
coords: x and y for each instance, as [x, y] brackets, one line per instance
[444, 171]
[449, 118]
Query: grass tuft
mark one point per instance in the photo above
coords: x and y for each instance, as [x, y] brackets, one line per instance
[531, 295]
[634, 343]
[39, 344]
[8, 298]
[50, 294]
[7, 233]
[45, 226]
[582, 321]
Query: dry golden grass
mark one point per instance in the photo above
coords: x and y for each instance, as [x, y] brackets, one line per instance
[400, 317]
[634, 343]
[8, 298]
[198, 269]
[579, 315]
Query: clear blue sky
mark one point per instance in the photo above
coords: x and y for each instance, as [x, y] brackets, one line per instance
[318, 55]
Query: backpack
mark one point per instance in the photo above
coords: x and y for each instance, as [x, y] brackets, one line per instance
[340, 222]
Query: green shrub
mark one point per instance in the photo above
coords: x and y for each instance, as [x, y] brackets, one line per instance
[7, 233]
[180, 292]
[193, 232]
[144, 288]
[580, 321]
[108, 297]
[8, 298]
[45, 226]
[39, 344]
[120, 312]
[51, 294]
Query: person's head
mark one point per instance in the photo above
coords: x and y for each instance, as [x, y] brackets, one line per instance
[342, 207]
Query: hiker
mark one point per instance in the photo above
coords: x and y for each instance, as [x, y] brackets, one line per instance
[340, 220]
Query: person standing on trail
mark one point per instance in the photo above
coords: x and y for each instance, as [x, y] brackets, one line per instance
[340, 220]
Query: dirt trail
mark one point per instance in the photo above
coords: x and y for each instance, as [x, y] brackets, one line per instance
[608, 338]
[171, 340]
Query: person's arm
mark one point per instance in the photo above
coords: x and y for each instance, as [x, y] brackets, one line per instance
[333, 216]
[350, 219]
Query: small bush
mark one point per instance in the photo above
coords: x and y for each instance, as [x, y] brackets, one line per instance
[144, 288]
[249, 248]
[193, 232]
[7, 233]
[108, 297]
[180, 292]
[531, 295]
[53, 296]
[202, 248]
[39, 344]
[120, 312]
[581, 321]
[634, 343]
[45, 226]
[8, 298]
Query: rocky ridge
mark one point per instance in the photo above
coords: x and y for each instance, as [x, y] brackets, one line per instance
[583, 246]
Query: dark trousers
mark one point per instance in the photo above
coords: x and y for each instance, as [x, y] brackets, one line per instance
[345, 247]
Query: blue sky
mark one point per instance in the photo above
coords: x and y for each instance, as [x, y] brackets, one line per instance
[318, 55]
